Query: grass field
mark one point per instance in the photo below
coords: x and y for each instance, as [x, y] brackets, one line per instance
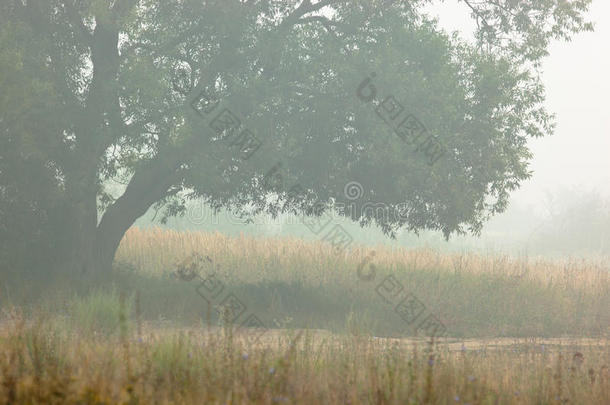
[311, 284]
[50, 362]
[330, 327]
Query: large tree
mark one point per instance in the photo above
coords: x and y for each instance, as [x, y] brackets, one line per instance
[266, 106]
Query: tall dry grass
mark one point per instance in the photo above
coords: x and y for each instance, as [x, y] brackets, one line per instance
[472, 294]
[105, 346]
[44, 362]
[156, 251]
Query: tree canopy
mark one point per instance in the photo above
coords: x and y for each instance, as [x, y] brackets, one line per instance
[266, 106]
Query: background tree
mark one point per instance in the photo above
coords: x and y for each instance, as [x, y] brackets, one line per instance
[577, 221]
[143, 91]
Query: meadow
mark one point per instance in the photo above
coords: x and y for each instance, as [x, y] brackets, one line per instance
[160, 330]
[317, 287]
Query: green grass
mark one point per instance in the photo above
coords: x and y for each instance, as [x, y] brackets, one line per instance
[99, 311]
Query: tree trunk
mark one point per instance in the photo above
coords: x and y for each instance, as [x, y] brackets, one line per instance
[146, 187]
[82, 245]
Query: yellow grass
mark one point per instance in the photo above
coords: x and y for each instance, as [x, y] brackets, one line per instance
[69, 358]
[157, 251]
[41, 362]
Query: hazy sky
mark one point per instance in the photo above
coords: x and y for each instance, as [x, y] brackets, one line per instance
[577, 79]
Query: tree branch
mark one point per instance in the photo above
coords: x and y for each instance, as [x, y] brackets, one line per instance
[477, 13]
[306, 7]
[318, 18]
[76, 20]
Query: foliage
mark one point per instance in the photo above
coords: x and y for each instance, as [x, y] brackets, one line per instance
[112, 88]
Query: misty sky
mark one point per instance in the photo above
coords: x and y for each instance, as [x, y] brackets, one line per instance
[576, 76]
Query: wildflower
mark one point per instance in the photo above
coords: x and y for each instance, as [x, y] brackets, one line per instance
[280, 399]
[430, 361]
[456, 398]
[471, 378]
[463, 347]
[272, 370]
[245, 356]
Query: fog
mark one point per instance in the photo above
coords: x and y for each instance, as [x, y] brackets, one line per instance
[574, 164]
[374, 202]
